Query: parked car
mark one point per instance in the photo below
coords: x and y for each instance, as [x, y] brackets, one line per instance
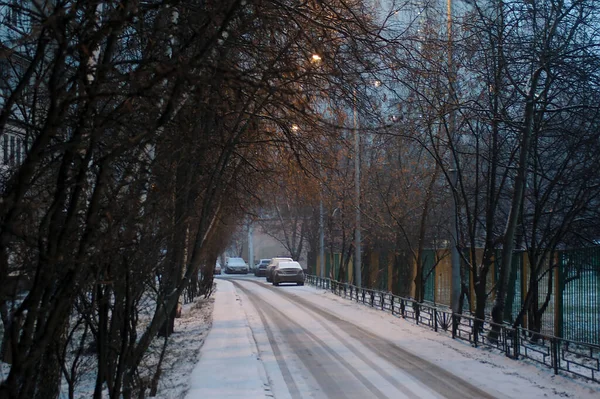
[261, 268]
[273, 265]
[288, 272]
[236, 265]
[217, 269]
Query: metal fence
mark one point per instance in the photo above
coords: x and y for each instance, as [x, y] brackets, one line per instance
[569, 281]
[560, 354]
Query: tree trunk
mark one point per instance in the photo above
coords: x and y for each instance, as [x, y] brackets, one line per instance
[513, 216]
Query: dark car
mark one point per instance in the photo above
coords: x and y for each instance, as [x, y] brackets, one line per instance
[261, 267]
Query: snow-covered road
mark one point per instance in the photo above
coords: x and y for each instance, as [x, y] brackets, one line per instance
[300, 342]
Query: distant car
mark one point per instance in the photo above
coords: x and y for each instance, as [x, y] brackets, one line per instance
[288, 272]
[261, 268]
[236, 265]
[217, 269]
[273, 265]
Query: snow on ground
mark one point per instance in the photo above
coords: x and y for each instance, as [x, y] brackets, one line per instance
[231, 366]
[181, 355]
[183, 350]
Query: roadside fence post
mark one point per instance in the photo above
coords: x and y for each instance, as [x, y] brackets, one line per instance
[392, 303]
[554, 346]
[435, 321]
[516, 343]
[454, 325]
[417, 311]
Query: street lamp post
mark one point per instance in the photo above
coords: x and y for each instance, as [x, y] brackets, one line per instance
[321, 238]
[454, 255]
[357, 237]
[250, 246]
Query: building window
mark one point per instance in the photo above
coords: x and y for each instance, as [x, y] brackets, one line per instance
[12, 150]
[5, 149]
[13, 13]
[18, 150]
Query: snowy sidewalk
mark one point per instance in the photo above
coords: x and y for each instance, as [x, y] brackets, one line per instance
[229, 365]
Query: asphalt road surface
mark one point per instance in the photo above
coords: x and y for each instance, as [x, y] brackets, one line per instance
[317, 354]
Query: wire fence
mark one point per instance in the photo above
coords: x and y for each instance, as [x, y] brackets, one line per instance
[562, 355]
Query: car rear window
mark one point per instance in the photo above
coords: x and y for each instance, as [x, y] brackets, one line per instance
[277, 260]
[290, 265]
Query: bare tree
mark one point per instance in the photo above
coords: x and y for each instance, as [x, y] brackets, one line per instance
[143, 120]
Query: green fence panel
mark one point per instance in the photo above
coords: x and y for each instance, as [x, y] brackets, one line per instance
[581, 294]
[428, 275]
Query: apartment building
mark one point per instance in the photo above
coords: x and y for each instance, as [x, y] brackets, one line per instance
[14, 139]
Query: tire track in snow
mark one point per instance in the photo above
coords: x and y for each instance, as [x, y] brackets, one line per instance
[285, 372]
[315, 358]
[432, 376]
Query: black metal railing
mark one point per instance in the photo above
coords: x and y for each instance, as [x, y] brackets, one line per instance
[560, 354]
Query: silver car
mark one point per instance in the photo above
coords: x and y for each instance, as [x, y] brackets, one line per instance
[273, 265]
[288, 272]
